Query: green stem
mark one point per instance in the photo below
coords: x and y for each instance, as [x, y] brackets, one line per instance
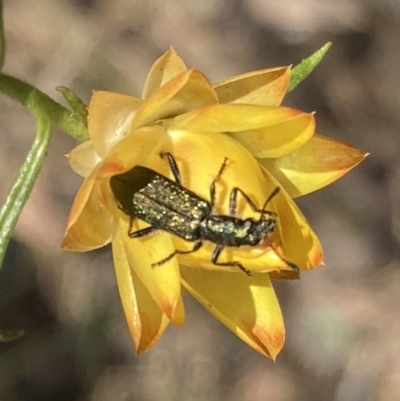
[2, 39]
[38, 103]
[22, 187]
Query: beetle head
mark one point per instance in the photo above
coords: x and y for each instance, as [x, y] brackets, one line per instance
[258, 230]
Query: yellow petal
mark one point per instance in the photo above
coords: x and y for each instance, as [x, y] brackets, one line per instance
[191, 150]
[145, 320]
[187, 91]
[83, 159]
[110, 118]
[232, 118]
[166, 68]
[126, 289]
[318, 163]
[162, 282]
[246, 305]
[133, 150]
[263, 88]
[90, 225]
[279, 139]
[82, 196]
[300, 243]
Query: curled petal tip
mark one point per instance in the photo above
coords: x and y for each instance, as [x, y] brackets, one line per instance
[272, 341]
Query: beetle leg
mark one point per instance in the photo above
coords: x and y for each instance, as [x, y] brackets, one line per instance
[292, 265]
[173, 166]
[217, 177]
[214, 258]
[233, 202]
[139, 233]
[195, 248]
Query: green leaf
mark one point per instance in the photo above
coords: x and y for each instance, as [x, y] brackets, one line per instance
[301, 71]
[76, 104]
[10, 335]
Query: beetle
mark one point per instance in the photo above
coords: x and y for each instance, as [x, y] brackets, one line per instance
[167, 205]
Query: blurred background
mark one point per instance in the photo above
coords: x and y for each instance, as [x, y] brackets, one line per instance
[343, 320]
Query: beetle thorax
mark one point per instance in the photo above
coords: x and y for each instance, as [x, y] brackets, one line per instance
[233, 231]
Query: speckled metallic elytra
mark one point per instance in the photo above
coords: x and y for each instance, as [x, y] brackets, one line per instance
[167, 205]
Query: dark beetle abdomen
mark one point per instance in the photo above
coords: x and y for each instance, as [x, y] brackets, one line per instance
[159, 201]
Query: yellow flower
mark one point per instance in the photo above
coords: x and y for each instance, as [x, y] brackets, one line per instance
[200, 125]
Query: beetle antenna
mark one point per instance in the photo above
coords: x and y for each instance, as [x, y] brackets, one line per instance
[263, 210]
[221, 169]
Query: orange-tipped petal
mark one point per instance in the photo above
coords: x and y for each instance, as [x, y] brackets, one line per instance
[154, 322]
[83, 159]
[279, 139]
[92, 230]
[90, 225]
[232, 118]
[263, 88]
[145, 320]
[187, 91]
[166, 68]
[162, 282]
[110, 118]
[300, 243]
[315, 165]
[246, 305]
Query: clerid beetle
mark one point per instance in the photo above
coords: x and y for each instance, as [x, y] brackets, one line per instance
[167, 205]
